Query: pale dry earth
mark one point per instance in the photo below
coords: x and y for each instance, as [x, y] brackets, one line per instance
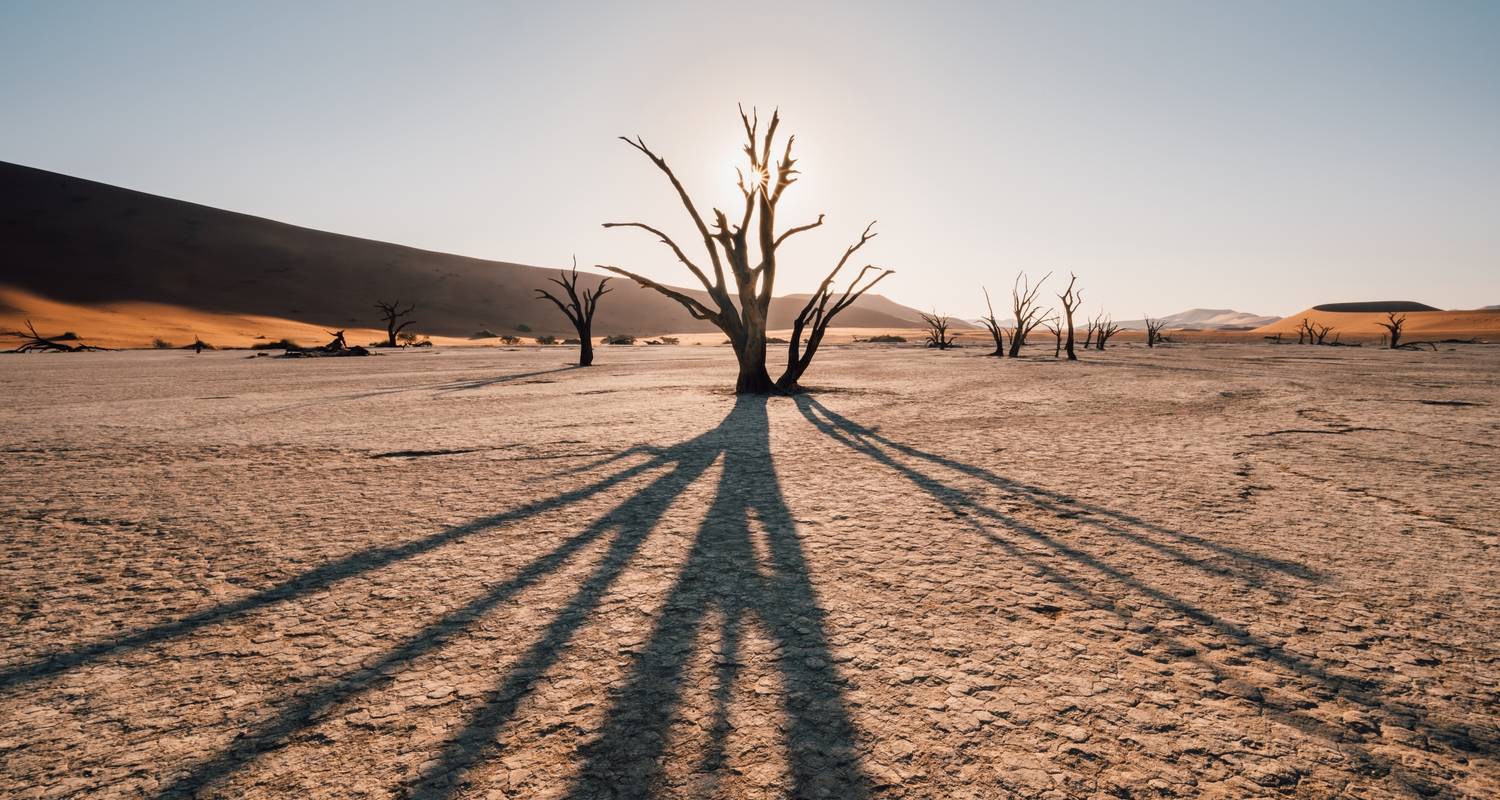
[1195, 571]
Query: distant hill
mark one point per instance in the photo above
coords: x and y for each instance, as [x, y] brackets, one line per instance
[1206, 319]
[1374, 307]
[81, 242]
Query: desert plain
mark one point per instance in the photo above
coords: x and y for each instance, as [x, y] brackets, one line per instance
[1238, 570]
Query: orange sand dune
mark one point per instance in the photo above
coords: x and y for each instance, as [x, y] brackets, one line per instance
[1419, 324]
[135, 324]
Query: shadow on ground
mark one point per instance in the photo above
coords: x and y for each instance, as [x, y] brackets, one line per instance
[746, 566]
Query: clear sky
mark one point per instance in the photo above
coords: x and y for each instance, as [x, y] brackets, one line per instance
[1263, 156]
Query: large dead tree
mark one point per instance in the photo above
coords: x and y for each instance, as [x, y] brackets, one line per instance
[1027, 313]
[389, 314]
[1153, 330]
[1394, 323]
[740, 311]
[993, 326]
[1104, 328]
[1071, 298]
[579, 309]
[31, 341]
[937, 330]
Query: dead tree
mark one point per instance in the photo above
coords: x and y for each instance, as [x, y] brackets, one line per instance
[819, 314]
[937, 330]
[1393, 324]
[579, 309]
[338, 345]
[33, 342]
[1088, 337]
[1028, 314]
[1054, 326]
[1071, 299]
[741, 312]
[1317, 332]
[390, 312]
[1104, 328]
[993, 326]
[1153, 331]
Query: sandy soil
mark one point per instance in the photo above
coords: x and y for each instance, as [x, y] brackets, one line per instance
[1197, 571]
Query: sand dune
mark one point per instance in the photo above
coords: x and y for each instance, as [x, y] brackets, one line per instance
[90, 244]
[1419, 324]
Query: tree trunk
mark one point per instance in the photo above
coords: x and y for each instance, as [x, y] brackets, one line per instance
[585, 348]
[1072, 356]
[753, 378]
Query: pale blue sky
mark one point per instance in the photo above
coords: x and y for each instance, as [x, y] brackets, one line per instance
[1260, 155]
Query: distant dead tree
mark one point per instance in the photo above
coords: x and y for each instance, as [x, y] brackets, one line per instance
[389, 313]
[579, 309]
[1088, 338]
[937, 330]
[1309, 332]
[1027, 313]
[337, 345]
[742, 315]
[993, 326]
[1054, 326]
[1153, 331]
[31, 341]
[1070, 299]
[1104, 328]
[1394, 322]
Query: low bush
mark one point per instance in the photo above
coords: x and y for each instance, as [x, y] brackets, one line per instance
[618, 338]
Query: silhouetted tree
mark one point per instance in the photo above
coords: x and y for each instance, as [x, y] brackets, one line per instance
[1088, 338]
[937, 330]
[1071, 298]
[1394, 323]
[32, 341]
[390, 312]
[1153, 331]
[1054, 326]
[817, 313]
[993, 326]
[742, 315]
[1104, 328]
[579, 309]
[1028, 314]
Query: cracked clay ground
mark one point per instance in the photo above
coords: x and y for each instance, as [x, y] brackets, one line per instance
[1201, 571]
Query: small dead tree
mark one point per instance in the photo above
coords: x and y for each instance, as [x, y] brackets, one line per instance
[937, 330]
[1153, 331]
[993, 326]
[579, 309]
[1104, 328]
[741, 312]
[390, 313]
[1054, 326]
[1088, 337]
[1027, 313]
[1317, 332]
[1071, 298]
[1394, 322]
[31, 341]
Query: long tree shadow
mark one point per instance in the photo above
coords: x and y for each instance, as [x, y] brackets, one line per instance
[306, 583]
[813, 700]
[721, 573]
[1008, 533]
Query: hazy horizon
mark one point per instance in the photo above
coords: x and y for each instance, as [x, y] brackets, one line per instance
[1263, 158]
